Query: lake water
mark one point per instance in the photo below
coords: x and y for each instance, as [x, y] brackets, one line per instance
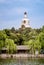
[21, 61]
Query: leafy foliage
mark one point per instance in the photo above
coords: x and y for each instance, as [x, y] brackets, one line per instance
[34, 38]
[9, 44]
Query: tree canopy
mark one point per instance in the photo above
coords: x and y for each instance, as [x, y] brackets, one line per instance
[10, 38]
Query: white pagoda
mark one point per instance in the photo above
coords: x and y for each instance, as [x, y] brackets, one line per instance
[25, 21]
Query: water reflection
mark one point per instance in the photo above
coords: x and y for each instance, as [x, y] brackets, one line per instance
[22, 62]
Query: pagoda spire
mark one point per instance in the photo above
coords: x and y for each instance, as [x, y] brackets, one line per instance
[25, 14]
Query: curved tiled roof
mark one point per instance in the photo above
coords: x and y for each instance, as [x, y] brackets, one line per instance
[23, 47]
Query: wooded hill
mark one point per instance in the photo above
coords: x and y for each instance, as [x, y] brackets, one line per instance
[9, 38]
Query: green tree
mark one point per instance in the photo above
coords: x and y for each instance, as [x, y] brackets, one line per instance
[33, 34]
[13, 29]
[41, 39]
[2, 39]
[7, 31]
[33, 45]
[9, 44]
[1, 44]
[37, 46]
[20, 39]
[2, 35]
[42, 29]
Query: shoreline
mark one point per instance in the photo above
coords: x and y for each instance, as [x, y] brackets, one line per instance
[5, 56]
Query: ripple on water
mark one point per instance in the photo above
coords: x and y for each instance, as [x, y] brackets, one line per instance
[22, 62]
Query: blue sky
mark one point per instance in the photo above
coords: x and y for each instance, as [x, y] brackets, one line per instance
[12, 12]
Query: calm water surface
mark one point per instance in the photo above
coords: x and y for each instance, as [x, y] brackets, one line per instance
[22, 62]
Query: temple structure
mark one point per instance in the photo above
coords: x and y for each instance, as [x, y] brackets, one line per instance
[25, 21]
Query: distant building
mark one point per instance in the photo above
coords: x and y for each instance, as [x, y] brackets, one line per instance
[23, 49]
[20, 49]
[25, 21]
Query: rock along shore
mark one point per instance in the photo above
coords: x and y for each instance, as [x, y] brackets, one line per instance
[5, 56]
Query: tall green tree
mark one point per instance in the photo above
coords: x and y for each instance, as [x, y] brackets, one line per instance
[2, 35]
[41, 39]
[9, 44]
